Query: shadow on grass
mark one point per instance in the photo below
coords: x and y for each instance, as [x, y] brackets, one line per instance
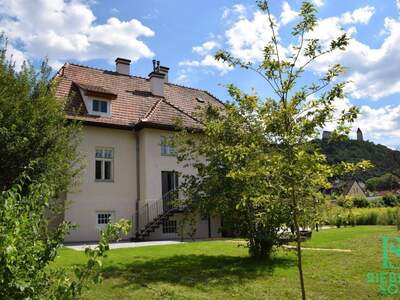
[194, 270]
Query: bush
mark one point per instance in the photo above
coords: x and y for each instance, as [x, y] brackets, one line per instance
[390, 200]
[377, 203]
[360, 201]
[28, 247]
[344, 201]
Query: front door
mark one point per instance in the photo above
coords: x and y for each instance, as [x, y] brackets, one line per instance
[169, 184]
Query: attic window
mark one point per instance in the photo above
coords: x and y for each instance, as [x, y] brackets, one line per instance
[100, 107]
[199, 99]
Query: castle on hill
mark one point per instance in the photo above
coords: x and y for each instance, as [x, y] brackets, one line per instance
[327, 134]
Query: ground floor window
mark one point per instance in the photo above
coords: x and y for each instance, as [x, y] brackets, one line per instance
[169, 226]
[104, 218]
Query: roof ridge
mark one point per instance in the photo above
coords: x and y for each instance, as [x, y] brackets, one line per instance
[99, 69]
[140, 77]
[136, 76]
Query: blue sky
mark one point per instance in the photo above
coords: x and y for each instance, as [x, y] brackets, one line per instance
[184, 35]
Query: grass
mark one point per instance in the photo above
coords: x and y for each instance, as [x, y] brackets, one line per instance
[223, 270]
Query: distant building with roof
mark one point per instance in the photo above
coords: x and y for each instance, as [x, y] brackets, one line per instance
[326, 135]
[348, 188]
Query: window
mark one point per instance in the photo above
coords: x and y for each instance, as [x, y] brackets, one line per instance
[166, 146]
[169, 226]
[104, 164]
[104, 218]
[100, 106]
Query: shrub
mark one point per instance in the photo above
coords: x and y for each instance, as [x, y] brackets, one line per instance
[390, 199]
[344, 201]
[360, 201]
[28, 247]
[377, 203]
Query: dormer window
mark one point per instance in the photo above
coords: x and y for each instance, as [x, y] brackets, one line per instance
[100, 106]
[97, 99]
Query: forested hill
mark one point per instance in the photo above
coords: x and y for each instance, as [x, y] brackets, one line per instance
[385, 160]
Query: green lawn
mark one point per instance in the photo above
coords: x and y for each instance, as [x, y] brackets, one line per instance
[222, 269]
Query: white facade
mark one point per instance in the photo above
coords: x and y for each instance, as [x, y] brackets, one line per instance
[137, 164]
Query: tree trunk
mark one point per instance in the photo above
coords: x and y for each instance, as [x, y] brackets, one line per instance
[299, 263]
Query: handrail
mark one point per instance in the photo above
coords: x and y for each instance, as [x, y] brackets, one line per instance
[153, 209]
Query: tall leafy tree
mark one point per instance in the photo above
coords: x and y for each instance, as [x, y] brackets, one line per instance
[259, 162]
[39, 160]
[33, 127]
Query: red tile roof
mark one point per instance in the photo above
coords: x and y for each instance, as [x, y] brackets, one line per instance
[134, 104]
[92, 90]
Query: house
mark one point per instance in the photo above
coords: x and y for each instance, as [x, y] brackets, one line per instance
[130, 167]
[349, 188]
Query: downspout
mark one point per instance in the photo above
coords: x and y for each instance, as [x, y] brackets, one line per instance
[137, 182]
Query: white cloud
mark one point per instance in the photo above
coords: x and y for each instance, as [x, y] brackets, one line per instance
[189, 63]
[288, 14]
[239, 9]
[247, 38]
[225, 13]
[182, 78]
[360, 15]
[318, 3]
[114, 10]
[206, 47]
[332, 27]
[373, 71]
[382, 124]
[207, 61]
[64, 30]
[236, 10]
[15, 55]
[398, 4]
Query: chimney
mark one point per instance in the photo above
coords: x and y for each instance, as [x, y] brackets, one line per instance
[164, 70]
[123, 65]
[157, 79]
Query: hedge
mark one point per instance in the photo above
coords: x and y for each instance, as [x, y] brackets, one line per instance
[339, 216]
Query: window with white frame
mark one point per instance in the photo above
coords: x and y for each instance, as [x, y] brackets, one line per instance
[101, 107]
[167, 147]
[169, 226]
[104, 218]
[104, 164]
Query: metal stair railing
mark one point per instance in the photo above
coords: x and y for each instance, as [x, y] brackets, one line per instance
[152, 213]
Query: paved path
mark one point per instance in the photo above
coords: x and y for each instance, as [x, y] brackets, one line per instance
[317, 249]
[81, 247]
